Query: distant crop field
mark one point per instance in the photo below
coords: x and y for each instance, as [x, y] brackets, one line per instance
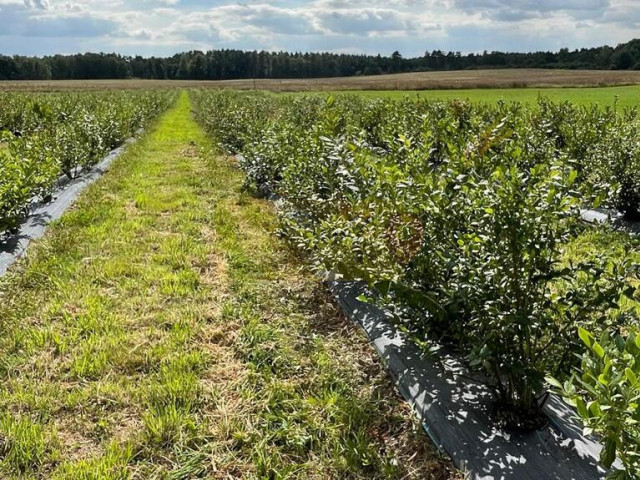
[627, 96]
[464, 79]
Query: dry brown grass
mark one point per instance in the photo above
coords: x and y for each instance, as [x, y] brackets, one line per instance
[508, 78]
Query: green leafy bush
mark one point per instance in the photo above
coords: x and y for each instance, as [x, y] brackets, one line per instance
[606, 394]
[22, 178]
[459, 214]
[46, 135]
[495, 222]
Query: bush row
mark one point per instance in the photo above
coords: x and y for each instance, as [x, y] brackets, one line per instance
[45, 135]
[457, 214]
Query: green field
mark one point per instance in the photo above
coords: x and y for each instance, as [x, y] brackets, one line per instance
[627, 96]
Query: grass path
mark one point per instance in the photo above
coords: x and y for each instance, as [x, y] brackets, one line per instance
[160, 331]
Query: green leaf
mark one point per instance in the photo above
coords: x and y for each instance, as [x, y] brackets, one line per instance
[585, 336]
[582, 408]
[594, 408]
[608, 453]
[553, 382]
[598, 350]
[411, 297]
[618, 475]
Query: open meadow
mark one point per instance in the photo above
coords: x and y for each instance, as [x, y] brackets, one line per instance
[621, 96]
[447, 80]
[581, 87]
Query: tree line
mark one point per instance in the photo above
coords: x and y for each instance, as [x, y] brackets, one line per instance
[238, 64]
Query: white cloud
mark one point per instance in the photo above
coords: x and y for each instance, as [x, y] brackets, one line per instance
[163, 27]
[38, 4]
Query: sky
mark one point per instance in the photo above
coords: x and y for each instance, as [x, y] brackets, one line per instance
[165, 27]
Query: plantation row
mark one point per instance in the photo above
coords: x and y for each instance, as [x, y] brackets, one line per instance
[45, 136]
[459, 215]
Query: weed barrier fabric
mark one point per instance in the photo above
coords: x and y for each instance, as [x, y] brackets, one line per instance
[602, 216]
[14, 246]
[456, 410]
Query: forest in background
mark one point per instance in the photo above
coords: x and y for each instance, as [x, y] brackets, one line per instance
[238, 64]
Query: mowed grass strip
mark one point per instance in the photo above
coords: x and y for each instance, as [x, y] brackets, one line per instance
[161, 331]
